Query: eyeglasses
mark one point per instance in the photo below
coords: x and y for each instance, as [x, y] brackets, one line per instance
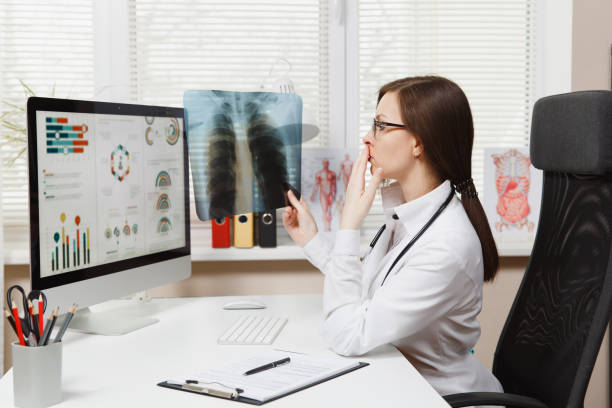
[380, 126]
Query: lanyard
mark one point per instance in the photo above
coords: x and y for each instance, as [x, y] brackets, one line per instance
[417, 236]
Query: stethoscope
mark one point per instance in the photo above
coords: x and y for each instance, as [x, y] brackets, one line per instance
[417, 236]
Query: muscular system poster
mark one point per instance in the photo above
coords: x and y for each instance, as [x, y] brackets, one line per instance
[325, 175]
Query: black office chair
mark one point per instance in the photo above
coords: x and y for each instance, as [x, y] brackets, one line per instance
[552, 335]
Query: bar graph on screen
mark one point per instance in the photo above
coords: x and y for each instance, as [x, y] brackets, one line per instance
[65, 138]
[72, 242]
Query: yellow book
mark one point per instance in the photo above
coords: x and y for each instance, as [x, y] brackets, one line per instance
[243, 230]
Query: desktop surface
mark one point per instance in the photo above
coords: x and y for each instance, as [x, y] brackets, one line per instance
[122, 371]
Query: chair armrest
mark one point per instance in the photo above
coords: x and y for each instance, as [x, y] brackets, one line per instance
[468, 399]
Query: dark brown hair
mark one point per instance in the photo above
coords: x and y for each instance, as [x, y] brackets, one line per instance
[437, 112]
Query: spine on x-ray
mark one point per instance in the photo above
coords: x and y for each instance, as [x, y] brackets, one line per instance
[269, 160]
[221, 187]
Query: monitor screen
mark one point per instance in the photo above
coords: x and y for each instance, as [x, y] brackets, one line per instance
[112, 189]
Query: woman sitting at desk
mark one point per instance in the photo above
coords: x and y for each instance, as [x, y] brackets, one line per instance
[420, 286]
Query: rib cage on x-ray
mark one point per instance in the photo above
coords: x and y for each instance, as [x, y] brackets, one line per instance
[245, 150]
[221, 164]
[269, 160]
[229, 166]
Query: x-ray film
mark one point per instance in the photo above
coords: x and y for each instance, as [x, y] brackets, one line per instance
[244, 148]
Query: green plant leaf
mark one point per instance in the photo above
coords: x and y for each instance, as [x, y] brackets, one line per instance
[14, 106]
[13, 126]
[28, 90]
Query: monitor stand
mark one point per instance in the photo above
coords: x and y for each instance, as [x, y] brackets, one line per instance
[108, 323]
[119, 320]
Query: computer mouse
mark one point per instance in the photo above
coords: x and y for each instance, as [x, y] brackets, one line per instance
[244, 304]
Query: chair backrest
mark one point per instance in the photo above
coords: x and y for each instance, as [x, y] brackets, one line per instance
[555, 327]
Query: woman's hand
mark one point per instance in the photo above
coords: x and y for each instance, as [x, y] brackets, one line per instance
[298, 220]
[359, 198]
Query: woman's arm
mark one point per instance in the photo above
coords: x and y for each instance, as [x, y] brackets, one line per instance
[428, 285]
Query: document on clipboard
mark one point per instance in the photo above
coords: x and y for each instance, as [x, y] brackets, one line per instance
[229, 381]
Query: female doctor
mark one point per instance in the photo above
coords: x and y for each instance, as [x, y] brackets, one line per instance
[420, 286]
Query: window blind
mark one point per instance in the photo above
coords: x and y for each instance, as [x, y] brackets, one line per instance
[48, 46]
[232, 45]
[485, 46]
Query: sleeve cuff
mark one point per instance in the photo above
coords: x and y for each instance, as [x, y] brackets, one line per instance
[347, 242]
[317, 251]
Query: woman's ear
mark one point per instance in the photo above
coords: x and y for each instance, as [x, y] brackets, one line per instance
[417, 148]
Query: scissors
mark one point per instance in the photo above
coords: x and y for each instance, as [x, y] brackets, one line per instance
[26, 320]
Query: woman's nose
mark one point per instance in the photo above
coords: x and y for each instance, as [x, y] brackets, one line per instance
[368, 139]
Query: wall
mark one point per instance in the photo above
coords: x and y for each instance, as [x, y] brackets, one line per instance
[591, 41]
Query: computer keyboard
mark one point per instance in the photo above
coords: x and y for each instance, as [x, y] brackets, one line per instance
[253, 330]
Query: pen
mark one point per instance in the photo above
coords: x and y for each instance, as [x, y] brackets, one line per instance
[268, 366]
[41, 312]
[64, 326]
[18, 324]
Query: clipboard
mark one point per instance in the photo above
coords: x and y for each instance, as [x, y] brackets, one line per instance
[251, 401]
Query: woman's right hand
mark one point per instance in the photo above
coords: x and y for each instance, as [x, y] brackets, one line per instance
[298, 221]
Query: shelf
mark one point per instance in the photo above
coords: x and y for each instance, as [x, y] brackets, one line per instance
[16, 251]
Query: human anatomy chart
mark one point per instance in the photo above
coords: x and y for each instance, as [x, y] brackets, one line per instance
[513, 190]
[325, 175]
[244, 148]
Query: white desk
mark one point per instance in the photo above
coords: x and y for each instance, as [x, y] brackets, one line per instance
[123, 371]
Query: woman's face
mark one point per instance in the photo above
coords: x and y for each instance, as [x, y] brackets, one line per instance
[393, 148]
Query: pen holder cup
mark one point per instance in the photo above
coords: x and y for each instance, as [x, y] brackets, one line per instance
[37, 375]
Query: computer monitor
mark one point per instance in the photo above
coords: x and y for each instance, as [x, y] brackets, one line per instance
[109, 204]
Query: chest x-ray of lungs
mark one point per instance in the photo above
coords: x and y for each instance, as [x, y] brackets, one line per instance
[244, 148]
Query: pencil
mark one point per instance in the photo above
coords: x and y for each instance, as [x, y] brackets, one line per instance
[51, 326]
[10, 319]
[55, 314]
[18, 324]
[41, 312]
[35, 324]
[29, 319]
[47, 332]
[67, 320]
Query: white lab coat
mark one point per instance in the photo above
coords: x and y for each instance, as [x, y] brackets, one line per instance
[428, 305]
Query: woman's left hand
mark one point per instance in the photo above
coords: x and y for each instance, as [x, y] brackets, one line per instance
[359, 198]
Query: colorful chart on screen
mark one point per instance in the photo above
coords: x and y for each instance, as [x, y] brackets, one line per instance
[110, 188]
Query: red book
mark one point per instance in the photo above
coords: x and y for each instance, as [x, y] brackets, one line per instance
[221, 232]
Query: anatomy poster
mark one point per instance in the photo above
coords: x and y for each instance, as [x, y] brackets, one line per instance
[512, 194]
[244, 148]
[325, 175]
